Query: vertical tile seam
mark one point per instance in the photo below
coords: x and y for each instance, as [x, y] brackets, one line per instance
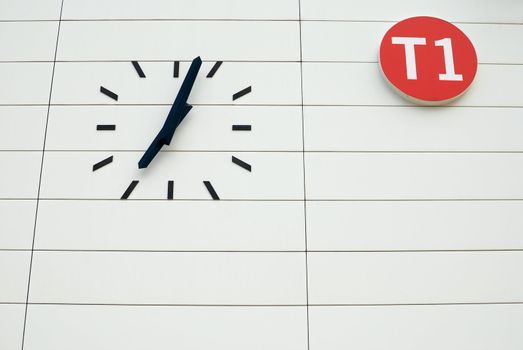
[304, 178]
[40, 176]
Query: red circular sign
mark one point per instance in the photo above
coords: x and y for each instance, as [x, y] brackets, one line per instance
[428, 60]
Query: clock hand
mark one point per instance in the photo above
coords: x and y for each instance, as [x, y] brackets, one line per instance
[180, 107]
[157, 144]
[179, 110]
[150, 153]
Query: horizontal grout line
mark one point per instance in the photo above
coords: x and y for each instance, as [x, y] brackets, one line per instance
[267, 305]
[170, 61]
[259, 151]
[263, 251]
[231, 61]
[297, 20]
[247, 105]
[424, 304]
[395, 21]
[269, 200]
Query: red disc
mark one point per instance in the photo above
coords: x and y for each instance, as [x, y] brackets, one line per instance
[428, 60]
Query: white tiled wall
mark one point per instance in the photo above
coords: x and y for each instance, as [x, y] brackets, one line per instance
[414, 327]
[20, 174]
[392, 128]
[274, 176]
[171, 225]
[12, 324]
[204, 278]
[365, 223]
[414, 277]
[414, 225]
[274, 128]
[274, 83]
[14, 270]
[182, 327]
[27, 10]
[33, 41]
[356, 41]
[414, 176]
[494, 86]
[180, 9]
[25, 83]
[17, 224]
[212, 40]
[509, 11]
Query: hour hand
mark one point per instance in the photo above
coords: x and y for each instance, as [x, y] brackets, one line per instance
[151, 152]
[174, 119]
[164, 137]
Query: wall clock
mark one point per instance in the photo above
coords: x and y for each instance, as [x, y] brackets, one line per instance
[116, 109]
[179, 110]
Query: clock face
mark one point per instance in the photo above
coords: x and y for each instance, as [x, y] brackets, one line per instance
[179, 110]
[223, 147]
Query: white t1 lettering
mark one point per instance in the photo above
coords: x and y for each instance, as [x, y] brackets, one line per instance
[450, 73]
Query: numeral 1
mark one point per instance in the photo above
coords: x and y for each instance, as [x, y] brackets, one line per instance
[450, 73]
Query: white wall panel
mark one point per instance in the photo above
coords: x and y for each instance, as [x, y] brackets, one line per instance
[414, 225]
[25, 83]
[34, 41]
[168, 278]
[272, 83]
[14, 271]
[22, 127]
[180, 9]
[360, 41]
[414, 175]
[170, 225]
[415, 277]
[510, 11]
[496, 43]
[20, 174]
[85, 327]
[348, 41]
[11, 323]
[451, 327]
[188, 170]
[411, 128]
[342, 84]
[17, 224]
[138, 40]
[274, 128]
[30, 10]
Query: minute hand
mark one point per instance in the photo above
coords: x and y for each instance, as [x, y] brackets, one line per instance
[180, 107]
[178, 111]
